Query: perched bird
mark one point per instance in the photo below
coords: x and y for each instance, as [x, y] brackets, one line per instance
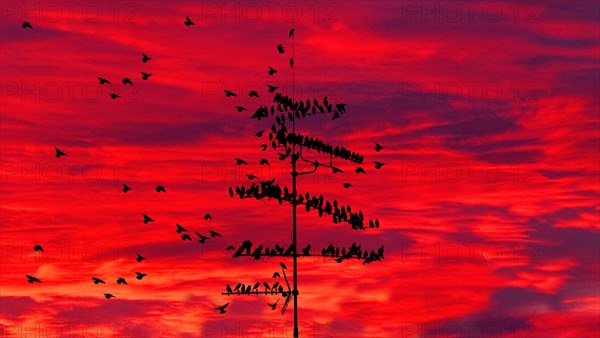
[108, 296]
[126, 81]
[145, 58]
[26, 25]
[180, 229]
[59, 153]
[306, 250]
[240, 108]
[102, 80]
[347, 185]
[259, 133]
[229, 93]
[239, 161]
[253, 93]
[274, 305]
[272, 70]
[283, 266]
[292, 62]
[145, 76]
[360, 170]
[202, 237]
[31, 279]
[126, 188]
[222, 308]
[139, 258]
[276, 275]
[186, 237]
[378, 165]
[291, 32]
[147, 219]
[207, 217]
[250, 176]
[378, 147]
[341, 107]
[140, 275]
[114, 96]
[98, 280]
[188, 22]
[214, 234]
[121, 280]
[38, 247]
[280, 49]
[160, 188]
[229, 248]
[272, 89]
[264, 161]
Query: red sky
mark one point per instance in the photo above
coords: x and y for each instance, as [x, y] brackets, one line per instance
[488, 201]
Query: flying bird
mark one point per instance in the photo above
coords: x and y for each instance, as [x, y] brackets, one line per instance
[26, 25]
[222, 308]
[336, 170]
[202, 237]
[378, 165]
[272, 70]
[207, 217]
[140, 275]
[274, 305]
[121, 280]
[145, 76]
[347, 185]
[31, 279]
[280, 49]
[114, 96]
[263, 147]
[253, 93]
[59, 153]
[188, 22]
[126, 81]
[180, 229]
[186, 237]
[229, 93]
[272, 89]
[378, 147]
[250, 176]
[98, 280]
[229, 248]
[240, 108]
[360, 170]
[259, 133]
[108, 296]
[214, 234]
[264, 161]
[239, 161]
[38, 247]
[147, 219]
[160, 188]
[139, 258]
[126, 188]
[102, 80]
[145, 58]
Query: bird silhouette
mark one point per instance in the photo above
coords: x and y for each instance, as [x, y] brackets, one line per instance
[222, 308]
[188, 22]
[341, 107]
[250, 176]
[202, 237]
[160, 188]
[145, 58]
[378, 165]
[259, 133]
[276, 275]
[126, 188]
[140, 275]
[283, 266]
[347, 185]
[272, 70]
[147, 219]
[306, 250]
[229, 93]
[253, 93]
[59, 153]
[335, 116]
[229, 248]
[139, 257]
[26, 25]
[207, 217]
[378, 147]
[214, 233]
[228, 287]
[336, 170]
[145, 76]
[239, 161]
[292, 62]
[114, 96]
[108, 296]
[272, 89]
[291, 32]
[240, 108]
[31, 279]
[280, 49]
[263, 147]
[360, 170]
[126, 81]
[121, 280]
[38, 247]
[264, 161]
[186, 237]
[274, 305]
[102, 80]
[180, 229]
[98, 280]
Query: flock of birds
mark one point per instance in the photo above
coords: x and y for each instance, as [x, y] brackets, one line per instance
[126, 80]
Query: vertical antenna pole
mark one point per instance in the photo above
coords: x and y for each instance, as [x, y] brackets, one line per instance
[294, 193]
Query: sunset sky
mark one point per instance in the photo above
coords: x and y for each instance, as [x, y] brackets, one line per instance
[488, 112]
